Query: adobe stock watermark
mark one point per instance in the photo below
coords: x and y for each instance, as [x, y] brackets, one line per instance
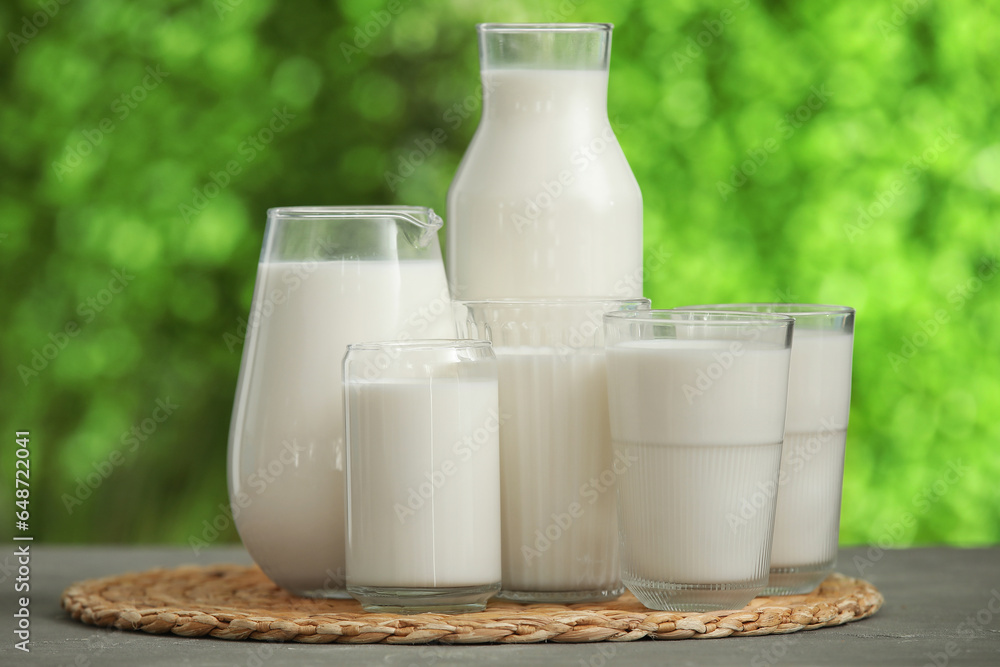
[714, 28]
[551, 189]
[30, 26]
[261, 655]
[283, 280]
[426, 316]
[913, 168]
[364, 34]
[901, 13]
[972, 624]
[98, 645]
[893, 533]
[462, 452]
[257, 483]
[587, 331]
[600, 655]
[87, 310]
[632, 283]
[424, 147]
[793, 463]
[774, 650]
[336, 580]
[562, 11]
[130, 441]
[958, 297]
[9, 568]
[293, 275]
[705, 378]
[757, 157]
[590, 491]
[419, 321]
[246, 152]
[225, 7]
[121, 108]
[785, 295]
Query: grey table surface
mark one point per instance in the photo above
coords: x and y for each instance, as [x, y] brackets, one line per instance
[942, 608]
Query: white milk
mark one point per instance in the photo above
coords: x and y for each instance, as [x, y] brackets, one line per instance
[424, 501]
[559, 524]
[807, 518]
[544, 203]
[288, 427]
[700, 450]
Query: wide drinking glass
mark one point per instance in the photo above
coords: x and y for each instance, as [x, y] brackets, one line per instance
[328, 277]
[423, 475]
[558, 473]
[807, 519]
[697, 406]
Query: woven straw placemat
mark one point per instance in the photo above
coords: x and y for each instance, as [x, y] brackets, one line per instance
[239, 602]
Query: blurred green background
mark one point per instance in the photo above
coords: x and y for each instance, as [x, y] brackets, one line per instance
[833, 152]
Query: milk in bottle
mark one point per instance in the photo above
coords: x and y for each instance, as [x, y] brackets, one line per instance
[544, 203]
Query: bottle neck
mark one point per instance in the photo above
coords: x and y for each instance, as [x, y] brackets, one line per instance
[537, 93]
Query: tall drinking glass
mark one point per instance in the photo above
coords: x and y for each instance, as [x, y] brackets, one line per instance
[558, 471]
[328, 277]
[807, 519]
[697, 405]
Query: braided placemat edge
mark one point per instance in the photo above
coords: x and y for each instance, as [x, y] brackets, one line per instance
[122, 602]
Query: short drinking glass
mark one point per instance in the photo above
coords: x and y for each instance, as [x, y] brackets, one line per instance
[697, 406]
[807, 519]
[423, 475]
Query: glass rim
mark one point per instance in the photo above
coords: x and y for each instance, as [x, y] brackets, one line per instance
[543, 27]
[775, 307]
[422, 344]
[411, 213]
[717, 318]
[559, 302]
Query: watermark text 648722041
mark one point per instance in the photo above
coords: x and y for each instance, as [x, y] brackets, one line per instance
[22, 550]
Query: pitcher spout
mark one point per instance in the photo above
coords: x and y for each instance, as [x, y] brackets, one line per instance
[425, 225]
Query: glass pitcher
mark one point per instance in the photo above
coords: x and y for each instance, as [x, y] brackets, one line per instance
[328, 277]
[544, 204]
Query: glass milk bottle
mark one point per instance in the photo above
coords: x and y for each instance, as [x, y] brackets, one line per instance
[544, 203]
